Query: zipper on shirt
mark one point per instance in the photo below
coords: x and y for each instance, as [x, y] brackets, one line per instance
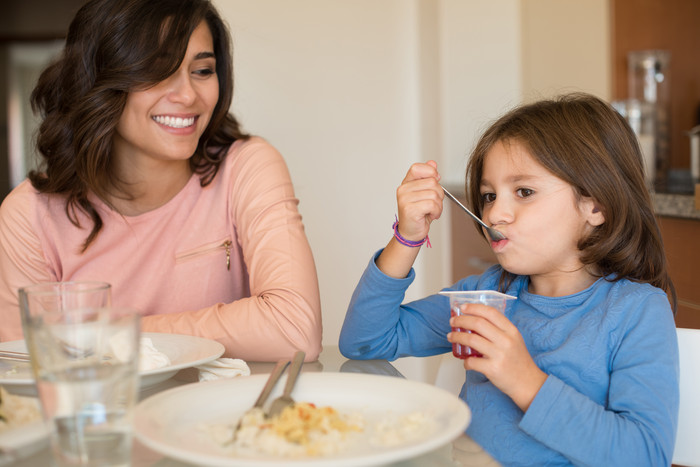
[227, 246]
[207, 249]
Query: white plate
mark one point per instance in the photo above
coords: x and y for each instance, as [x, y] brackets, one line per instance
[183, 351]
[22, 441]
[171, 422]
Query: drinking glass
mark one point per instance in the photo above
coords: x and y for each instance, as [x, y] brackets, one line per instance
[458, 298]
[84, 356]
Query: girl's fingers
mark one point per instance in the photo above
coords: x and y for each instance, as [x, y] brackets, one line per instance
[422, 170]
[479, 315]
[419, 200]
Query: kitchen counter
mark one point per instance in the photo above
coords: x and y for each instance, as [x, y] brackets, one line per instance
[672, 205]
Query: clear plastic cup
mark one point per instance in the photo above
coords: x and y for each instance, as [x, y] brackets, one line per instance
[458, 298]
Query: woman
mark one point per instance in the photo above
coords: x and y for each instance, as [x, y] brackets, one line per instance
[148, 183]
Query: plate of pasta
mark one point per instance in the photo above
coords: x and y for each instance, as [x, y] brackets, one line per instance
[22, 431]
[339, 419]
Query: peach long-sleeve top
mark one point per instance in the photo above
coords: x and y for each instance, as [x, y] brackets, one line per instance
[229, 261]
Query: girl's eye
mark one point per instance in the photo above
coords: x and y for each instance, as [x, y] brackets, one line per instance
[524, 192]
[488, 197]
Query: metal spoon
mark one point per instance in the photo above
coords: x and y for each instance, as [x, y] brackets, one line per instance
[493, 233]
[285, 400]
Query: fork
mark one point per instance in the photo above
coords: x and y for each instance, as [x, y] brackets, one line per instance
[285, 400]
[14, 356]
[493, 233]
[265, 393]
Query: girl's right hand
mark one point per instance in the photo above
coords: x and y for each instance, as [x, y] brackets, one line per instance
[419, 199]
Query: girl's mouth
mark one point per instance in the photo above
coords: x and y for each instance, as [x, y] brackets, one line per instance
[499, 245]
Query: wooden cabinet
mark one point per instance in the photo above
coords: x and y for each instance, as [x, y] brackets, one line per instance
[682, 244]
[669, 25]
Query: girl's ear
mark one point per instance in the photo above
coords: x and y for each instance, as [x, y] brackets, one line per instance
[591, 211]
[595, 215]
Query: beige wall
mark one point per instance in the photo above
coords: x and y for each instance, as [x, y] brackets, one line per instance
[353, 92]
[566, 47]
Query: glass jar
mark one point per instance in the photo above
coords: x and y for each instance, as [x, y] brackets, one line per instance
[649, 81]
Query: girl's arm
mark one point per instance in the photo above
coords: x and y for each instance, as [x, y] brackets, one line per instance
[636, 423]
[378, 326]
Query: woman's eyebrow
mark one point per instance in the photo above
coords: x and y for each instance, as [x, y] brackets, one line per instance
[204, 55]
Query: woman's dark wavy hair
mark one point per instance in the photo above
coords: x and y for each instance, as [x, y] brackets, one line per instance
[114, 47]
[585, 142]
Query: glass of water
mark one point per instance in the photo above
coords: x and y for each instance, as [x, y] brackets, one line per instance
[84, 356]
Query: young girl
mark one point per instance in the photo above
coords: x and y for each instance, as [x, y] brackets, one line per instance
[583, 367]
[149, 183]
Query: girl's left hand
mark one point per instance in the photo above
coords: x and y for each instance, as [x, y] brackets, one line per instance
[506, 361]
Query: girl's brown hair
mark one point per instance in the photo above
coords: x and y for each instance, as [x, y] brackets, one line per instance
[585, 142]
[114, 47]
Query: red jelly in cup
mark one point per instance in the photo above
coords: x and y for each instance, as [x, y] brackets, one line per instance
[458, 298]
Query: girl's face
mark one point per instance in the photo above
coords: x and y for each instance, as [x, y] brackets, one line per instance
[165, 121]
[540, 216]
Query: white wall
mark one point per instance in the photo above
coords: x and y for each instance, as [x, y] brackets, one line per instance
[354, 91]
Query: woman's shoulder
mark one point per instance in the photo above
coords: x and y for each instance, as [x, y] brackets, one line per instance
[254, 160]
[250, 148]
[23, 199]
[24, 211]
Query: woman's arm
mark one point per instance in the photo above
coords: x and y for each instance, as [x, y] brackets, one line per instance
[22, 261]
[283, 312]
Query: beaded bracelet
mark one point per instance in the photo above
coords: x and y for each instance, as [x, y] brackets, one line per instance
[409, 243]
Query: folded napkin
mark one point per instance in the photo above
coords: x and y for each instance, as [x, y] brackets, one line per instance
[151, 358]
[223, 368]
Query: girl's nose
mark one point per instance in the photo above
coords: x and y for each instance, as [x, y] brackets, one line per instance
[499, 211]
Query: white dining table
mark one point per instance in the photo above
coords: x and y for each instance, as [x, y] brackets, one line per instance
[462, 452]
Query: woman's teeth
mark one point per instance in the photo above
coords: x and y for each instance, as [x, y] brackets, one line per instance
[174, 122]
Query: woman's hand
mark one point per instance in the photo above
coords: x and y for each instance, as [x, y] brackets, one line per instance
[419, 199]
[506, 361]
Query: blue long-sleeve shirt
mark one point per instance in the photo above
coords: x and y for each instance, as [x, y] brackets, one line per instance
[610, 352]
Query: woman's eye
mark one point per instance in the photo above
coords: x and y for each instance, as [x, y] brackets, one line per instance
[204, 72]
[524, 192]
[488, 197]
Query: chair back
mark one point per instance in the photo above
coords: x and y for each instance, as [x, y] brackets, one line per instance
[687, 450]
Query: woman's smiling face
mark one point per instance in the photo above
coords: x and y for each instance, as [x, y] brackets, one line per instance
[164, 122]
[539, 213]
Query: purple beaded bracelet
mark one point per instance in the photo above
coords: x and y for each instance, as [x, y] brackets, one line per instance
[409, 243]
